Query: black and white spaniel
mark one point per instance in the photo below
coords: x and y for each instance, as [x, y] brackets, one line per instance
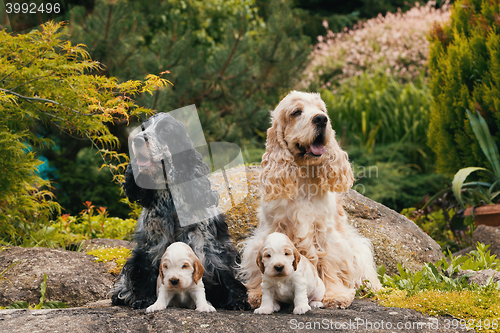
[168, 177]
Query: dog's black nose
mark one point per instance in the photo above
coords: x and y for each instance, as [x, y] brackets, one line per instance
[139, 142]
[174, 282]
[320, 120]
[279, 268]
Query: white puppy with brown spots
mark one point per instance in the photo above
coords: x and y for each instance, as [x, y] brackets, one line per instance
[179, 282]
[287, 277]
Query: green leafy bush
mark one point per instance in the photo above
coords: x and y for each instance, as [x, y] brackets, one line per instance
[434, 290]
[442, 224]
[464, 64]
[67, 230]
[439, 276]
[45, 80]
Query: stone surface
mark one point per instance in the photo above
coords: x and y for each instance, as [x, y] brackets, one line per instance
[481, 277]
[487, 235]
[72, 277]
[370, 317]
[395, 238]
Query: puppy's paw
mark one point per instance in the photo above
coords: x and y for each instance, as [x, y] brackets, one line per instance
[155, 307]
[254, 299]
[276, 306]
[316, 304]
[301, 309]
[205, 308]
[264, 310]
[342, 301]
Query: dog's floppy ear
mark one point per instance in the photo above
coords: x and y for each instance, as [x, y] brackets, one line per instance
[259, 262]
[279, 170]
[161, 272]
[336, 175]
[296, 258]
[198, 269]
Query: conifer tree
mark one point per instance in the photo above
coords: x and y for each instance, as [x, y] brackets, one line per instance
[464, 64]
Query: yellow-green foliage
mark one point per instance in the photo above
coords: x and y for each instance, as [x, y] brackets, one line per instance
[469, 305]
[118, 255]
[46, 80]
[71, 229]
[464, 62]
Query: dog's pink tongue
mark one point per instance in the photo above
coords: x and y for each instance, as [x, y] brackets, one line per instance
[317, 149]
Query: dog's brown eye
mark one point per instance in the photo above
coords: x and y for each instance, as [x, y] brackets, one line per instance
[296, 113]
[185, 266]
[268, 256]
[287, 253]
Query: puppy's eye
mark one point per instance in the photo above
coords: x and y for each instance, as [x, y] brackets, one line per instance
[296, 113]
[185, 266]
[268, 256]
[287, 253]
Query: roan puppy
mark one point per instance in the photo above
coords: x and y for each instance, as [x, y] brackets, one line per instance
[287, 277]
[179, 282]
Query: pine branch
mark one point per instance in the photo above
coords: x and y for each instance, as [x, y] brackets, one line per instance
[240, 33]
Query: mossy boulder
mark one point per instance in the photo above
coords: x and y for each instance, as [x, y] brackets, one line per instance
[395, 238]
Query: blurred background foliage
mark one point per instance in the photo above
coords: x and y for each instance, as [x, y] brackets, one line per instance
[236, 59]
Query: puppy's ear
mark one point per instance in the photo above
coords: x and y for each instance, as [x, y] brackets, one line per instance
[198, 270]
[296, 258]
[161, 272]
[260, 263]
[279, 170]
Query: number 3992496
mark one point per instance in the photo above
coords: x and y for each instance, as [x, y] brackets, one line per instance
[32, 8]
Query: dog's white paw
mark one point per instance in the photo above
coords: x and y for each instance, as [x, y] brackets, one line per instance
[301, 309]
[205, 308]
[155, 307]
[316, 304]
[276, 306]
[264, 310]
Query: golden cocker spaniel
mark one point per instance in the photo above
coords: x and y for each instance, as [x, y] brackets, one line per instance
[303, 169]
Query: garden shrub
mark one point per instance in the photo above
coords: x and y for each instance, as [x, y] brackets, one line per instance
[67, 231]
[395, 44]
[45, 80]
[464, 64]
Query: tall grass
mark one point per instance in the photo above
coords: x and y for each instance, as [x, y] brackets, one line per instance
[380, 109]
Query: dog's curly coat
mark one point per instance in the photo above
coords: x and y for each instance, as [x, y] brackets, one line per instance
[303, 168]
[156, 159]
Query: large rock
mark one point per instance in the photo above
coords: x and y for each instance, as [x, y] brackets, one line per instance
[72, 277]
[395, 238]
[487, 235]
[481, 277]
[361, 316]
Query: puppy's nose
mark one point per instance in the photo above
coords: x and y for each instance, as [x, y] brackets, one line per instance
[320, 120]
[174, 282]
[139, 142]
[278, 268]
